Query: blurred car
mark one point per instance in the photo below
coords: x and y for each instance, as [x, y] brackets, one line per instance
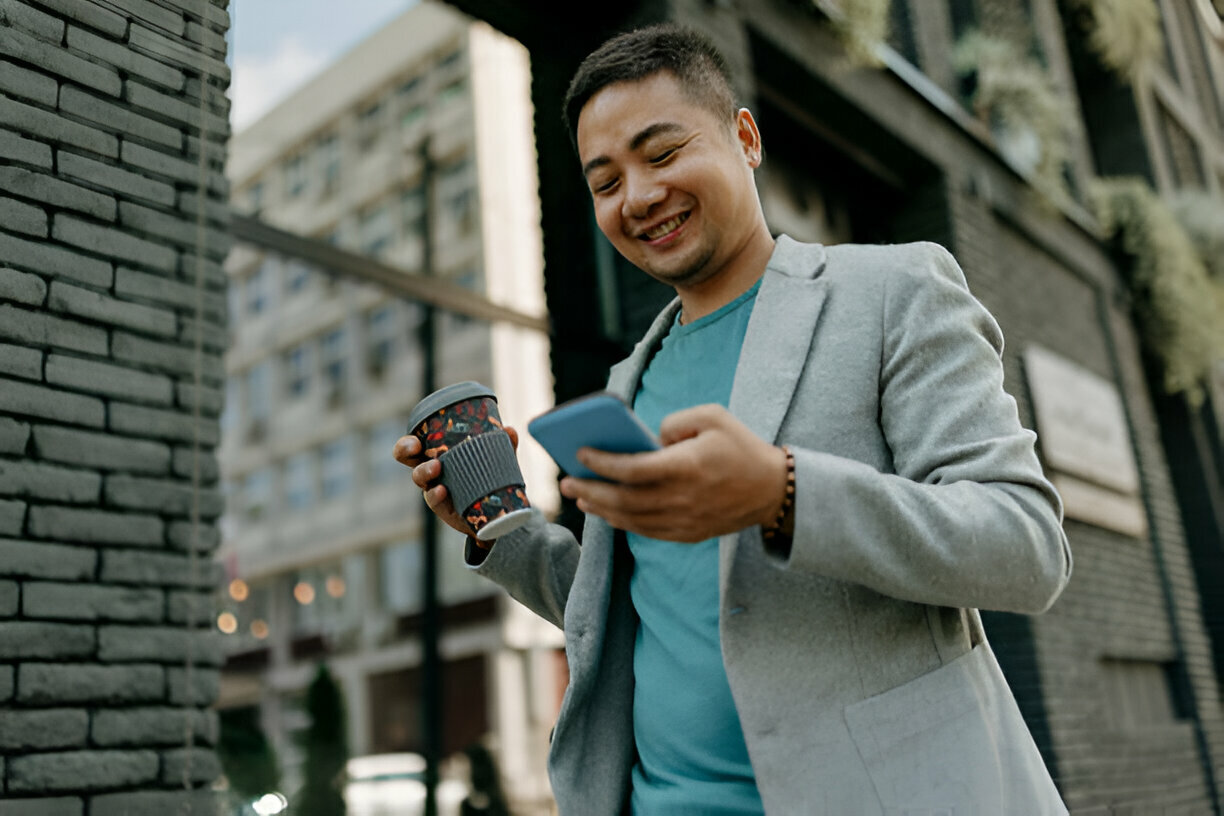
[394, 785]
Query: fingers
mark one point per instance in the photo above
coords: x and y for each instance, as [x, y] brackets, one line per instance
[689, 422]
[632, 468]
[407, 450]
[513, 434]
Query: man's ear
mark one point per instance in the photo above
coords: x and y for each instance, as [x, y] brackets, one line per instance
[748, 137]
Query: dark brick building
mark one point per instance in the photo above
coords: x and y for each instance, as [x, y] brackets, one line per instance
[1118, 681]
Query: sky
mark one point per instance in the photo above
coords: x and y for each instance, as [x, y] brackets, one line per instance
[276, 45]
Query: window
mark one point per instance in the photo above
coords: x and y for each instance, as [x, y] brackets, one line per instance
[376, 228]
[297, 276]
[412, 211]
[382, 467]
[449, 61]
[328, 156]
[300, 480]
[453, 91]
[369, 126]
[461, 210]
[257, 494]
[409, 87]
[295, 176]
[337, 467]
[255, 197]
[400, 571]
[380, 339]
[412, 115]
[335, 349]
[297, 370]
[256, 288]
[259, 391]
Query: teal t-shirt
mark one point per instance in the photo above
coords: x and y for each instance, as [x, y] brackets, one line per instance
[691, 752]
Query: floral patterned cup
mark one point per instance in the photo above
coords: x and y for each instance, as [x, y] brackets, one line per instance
[459, 426]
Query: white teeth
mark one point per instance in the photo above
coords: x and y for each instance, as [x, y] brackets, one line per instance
[663, 229]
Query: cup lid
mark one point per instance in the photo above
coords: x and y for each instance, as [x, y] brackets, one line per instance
[446, 396]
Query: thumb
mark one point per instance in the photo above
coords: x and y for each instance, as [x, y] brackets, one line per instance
[513, 434]
[689, 423]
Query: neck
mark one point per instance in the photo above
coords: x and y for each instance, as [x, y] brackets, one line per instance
[735, 278]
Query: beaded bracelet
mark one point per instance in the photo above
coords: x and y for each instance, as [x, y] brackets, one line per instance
[788, 499]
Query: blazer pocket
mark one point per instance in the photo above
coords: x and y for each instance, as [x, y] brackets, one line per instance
[953, 742]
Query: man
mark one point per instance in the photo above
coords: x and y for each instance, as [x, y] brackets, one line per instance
[776, 611]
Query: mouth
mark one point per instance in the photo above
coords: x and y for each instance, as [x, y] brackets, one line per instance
[664, 229]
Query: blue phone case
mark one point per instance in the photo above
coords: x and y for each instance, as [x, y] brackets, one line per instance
[601, 420]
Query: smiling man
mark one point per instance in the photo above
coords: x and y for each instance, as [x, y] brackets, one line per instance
[776, 612]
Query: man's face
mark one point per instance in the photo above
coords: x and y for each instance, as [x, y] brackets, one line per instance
[671, 182]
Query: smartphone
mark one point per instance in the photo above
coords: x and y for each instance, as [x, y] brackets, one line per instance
[601, 420]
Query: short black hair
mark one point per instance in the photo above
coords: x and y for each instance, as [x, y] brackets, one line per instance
[691, 57]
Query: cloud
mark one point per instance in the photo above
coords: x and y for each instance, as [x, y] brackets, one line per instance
[259, 82]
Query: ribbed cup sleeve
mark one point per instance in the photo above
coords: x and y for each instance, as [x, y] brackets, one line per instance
[478, 466]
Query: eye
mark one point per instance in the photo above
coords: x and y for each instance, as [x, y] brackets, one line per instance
[603, 187]
[664, 156]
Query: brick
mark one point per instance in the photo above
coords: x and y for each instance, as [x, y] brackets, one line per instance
[160, 495]
[48, 482]
[47, 403]
[12, 517]
[129, 282]
[172, 108]
[155, 161]
[195, 766]
[166, 357]
[113, 242]
[17, 216]
[76, 102]
[108, 380]
[20, 15]
[184, 606]
[154, 423]
[13, 434]
[156, 569]
[19, 361]
[27, 151]
[201, 691]
[126, 59]
[140, 727]
[128, 644]
[89, 14]
[173, 228]
[38, 329]
[105, 452]
[216, 208]
[60, 683]
[6, 683]
[115, 179]
[213, 335]
[25, 559]
[32, 639]
[41, 729]
[57, 806]
[155, 803]
[10, 598]
[28, 85]
[22, 287]
[55, 601]
[39, 256]
[203, 35]
[212, 400]
[96, 526]
[54, 128]
[185, 461]
[176, 50]
[56, 192]
[54, 59]
[107, 309]
[81, 770]
[148, 12]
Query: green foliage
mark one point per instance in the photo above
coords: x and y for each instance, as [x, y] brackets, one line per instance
[1014, 94]
[326, 746]
[1202, 217]
[1179, 306]
[859, 24]
[1125, 34]
[246, 755]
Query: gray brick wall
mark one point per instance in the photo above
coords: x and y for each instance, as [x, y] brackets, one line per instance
[100, 130]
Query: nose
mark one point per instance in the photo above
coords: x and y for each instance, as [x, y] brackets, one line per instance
[642, 193]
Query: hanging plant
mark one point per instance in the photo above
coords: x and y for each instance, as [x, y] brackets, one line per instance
[1014, 95]
[1125, 34]
[860, 25]
[1202, 217]
[1178, 305]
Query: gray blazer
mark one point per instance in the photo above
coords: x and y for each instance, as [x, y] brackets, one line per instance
[855, 656]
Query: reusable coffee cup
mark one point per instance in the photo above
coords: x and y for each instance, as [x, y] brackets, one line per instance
[460, 427]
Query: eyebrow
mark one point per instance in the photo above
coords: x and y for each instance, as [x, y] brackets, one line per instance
[646, 134]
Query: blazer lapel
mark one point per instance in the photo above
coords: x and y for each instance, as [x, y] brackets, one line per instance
[780, 334]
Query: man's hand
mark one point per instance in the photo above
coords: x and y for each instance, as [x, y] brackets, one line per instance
[713, 476]
[426, 472]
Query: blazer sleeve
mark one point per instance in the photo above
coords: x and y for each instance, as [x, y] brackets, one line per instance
[967, 519]
[535, 564]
